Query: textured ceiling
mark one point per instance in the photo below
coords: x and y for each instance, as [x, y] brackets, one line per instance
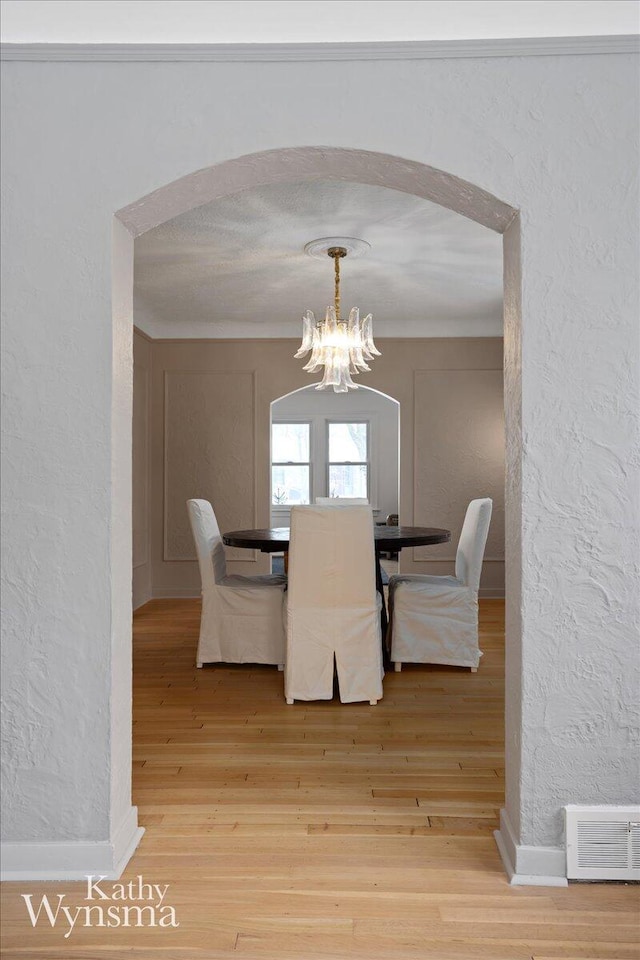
[236, 267]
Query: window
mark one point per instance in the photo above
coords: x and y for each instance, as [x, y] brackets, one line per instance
[348, 460]
[320, 457]
[290, 463]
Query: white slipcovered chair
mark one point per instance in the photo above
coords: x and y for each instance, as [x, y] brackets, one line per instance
[435, 619]
[242, 617]
[333, 610]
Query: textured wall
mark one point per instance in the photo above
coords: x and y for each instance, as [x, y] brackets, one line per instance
[553, 136]
[513, 520]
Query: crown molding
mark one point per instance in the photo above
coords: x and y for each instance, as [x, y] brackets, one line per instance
[259, 52]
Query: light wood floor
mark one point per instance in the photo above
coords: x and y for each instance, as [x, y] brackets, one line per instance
[323, 831]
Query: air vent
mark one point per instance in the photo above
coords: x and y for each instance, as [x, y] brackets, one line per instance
[603, 843]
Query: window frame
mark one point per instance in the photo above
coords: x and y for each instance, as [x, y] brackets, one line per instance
[319, 462]
[291, 463]
[367, 421]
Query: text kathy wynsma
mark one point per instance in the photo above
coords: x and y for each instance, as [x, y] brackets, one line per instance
[132, 904]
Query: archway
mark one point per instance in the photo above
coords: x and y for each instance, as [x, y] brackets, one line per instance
[312, 416]
[309, 163]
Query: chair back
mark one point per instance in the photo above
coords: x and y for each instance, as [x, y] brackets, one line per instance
[472, 542]
[341, 501]
[209, 546]
[331, 558]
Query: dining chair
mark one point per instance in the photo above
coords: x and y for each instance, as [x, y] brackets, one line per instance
[435, 619]
[332, 610]
[242, 617]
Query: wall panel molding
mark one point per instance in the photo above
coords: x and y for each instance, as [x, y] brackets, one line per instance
[458, 456]
[209, 431]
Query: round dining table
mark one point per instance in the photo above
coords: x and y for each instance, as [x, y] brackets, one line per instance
[276, 539]
[386, 539]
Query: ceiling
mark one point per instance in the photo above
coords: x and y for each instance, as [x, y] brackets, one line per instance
[237, 268]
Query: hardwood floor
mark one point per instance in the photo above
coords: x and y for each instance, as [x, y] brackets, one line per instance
[323, 831]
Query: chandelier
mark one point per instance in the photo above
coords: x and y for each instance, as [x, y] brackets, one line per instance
[342, 347]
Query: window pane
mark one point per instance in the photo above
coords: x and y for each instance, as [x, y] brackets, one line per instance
[347, 481]
[290, 442]
[289, 485]
[347, 441]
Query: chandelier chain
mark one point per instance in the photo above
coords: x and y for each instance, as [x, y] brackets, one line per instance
[337, 253]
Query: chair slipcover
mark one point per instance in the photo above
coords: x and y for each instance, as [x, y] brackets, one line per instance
[435, 619]
[340, 501]
[242, 617]
[332, 606]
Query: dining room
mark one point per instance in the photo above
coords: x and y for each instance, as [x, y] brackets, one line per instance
[319, 827]
[236, 422]
[205, 401]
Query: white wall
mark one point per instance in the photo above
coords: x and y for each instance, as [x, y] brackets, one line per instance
[216, 21]
[552, 136]
[362, 404]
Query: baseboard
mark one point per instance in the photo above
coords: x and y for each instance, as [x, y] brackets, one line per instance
[529, 866]
[141, 585]
[72, 860]
[139, 600]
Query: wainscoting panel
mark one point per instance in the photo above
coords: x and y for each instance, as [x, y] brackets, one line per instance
[459, 456]
[209, 453]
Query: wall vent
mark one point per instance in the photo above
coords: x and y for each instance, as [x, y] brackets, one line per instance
[603, 843]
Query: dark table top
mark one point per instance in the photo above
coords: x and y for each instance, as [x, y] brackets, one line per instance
[274, 539]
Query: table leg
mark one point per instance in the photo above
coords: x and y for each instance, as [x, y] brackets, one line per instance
[383, 611]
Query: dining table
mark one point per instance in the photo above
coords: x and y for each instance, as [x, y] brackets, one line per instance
[386, 539]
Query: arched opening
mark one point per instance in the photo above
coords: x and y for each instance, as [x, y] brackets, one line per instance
[332, 444]
[302, 164]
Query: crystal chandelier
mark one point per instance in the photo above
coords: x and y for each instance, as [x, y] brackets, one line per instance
[342, 347]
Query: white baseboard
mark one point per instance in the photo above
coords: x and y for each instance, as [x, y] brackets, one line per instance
[73, 860]
[141, 585]
[139, 600]
[529, 866]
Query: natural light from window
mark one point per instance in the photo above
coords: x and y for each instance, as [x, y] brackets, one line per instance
[348, 460]
[341, 470]
[290, 465]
